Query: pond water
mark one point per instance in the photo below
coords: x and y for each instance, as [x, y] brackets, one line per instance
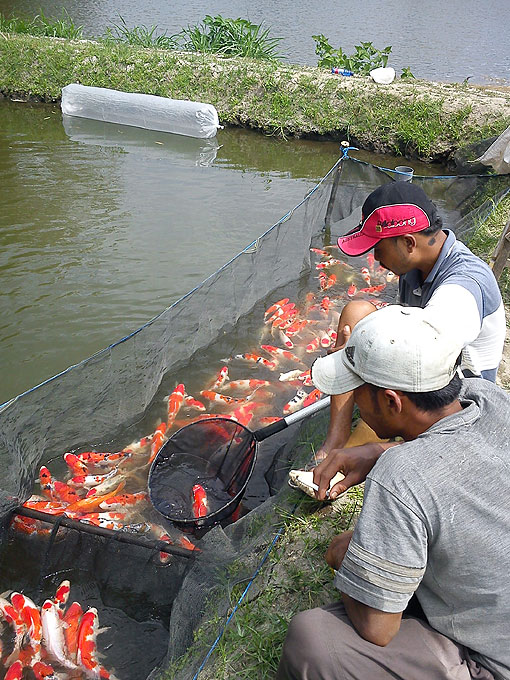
[438, 40]
[104, 226]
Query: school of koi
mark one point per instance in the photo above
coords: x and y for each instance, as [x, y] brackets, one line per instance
[108, 489]
[50, 637]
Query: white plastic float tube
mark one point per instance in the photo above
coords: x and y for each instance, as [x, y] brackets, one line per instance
[193, 119]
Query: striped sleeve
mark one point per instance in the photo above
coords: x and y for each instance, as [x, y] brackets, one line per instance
[387, 555]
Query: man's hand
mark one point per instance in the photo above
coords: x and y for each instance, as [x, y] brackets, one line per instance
[354, 463]
[337, 549]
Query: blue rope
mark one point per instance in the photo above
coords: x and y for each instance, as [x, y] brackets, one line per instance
[240, 600]
[397, 172]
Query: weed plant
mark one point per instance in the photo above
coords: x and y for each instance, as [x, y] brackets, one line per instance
[365, 58]
[60, 27]
[141, 36]
[229, 37]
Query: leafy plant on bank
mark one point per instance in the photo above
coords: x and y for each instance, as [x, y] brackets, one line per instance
[230, 37]
[140, 35]
[362, 61]
[406, 73]
[41, 25]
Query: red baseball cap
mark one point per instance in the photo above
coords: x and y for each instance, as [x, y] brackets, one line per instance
[392, 209]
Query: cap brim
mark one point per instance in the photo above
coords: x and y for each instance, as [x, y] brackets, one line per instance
[355, 244]
[332, 375]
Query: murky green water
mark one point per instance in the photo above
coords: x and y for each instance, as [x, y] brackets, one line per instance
[103, 226]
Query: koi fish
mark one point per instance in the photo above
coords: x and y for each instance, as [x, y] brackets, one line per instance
[93, 499]
[191, 402]
[371, 261]
[157, 441]
[285, 340]
[295, 403]
[187, 544]
[322, 253]
[107, 459]
[325, 281]
[269, 420]
[221, 379]
[72, 619]
[62, 595]
[54, 489]
[103, 523]
[43, 671]
[306, 378]
[220, 398]
[256, 359]
[373, 290]
[352, 290]
[325, 305]
[29, 614]
[365, 275]
[86, 654]
[9, 613]
[175, 401]
[314, 345]
[330, 263]
[200, 506]
[78, 467]
[53, 635]
[123, 501]
[390, 276]
[291, 375]
[88, 481]
[244, 413]
[325, 339]
[29, 526]
[314, 396]
[49, 507]
[274, 307]
[247, 384]
[15, 671]
[332, 334]
[296, 327]
[283, 353]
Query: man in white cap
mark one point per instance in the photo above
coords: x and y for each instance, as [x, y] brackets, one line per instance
[437, 272]
[435, 520]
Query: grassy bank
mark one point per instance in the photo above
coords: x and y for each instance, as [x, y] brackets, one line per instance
[410, 117]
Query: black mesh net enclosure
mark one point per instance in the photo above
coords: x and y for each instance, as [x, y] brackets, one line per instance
[237, 348]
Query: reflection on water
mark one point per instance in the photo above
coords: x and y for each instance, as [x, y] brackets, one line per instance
[438, 40]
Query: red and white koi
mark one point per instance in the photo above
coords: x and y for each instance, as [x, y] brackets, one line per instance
[184, 542]
[295, 403]
[56, 490]
[193, 403]
[221, 379]
[244, 413]
[106, 459]
[53, 635]
[27, 525]
[326, 265]
[49, 507]
[15, 671]
[373, 290]
[285, 340]
[325, 339]
[200, 505]
[88, 481]
[314, 396]
[296, 327]
[62, 595]
[175, 401]
[157, 440]
[11, 615]
[43, 671]
[322, 253]
[77, 466]
[365, 275]
[161, 534]
[306, 378]
[281, 353]
[86, 654]
[352, 290]
[29, 614]
[332, 334]
[256, 359]
[325, 305]
[325, 281]
[72, 619]
[313, 345]
[274, 307]
[247, 384]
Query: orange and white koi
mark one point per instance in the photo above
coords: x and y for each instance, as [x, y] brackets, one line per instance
[325, 281]
[105, 459]
[322, 253]
[77, 466]
[291, 375]
[314, 396]
[93, 499]
[373, 290]
[193, 403]
[162, 535]
[184, 542]
[306, 378]
[314, 345]
[365, 275]
[329, 263]
[72, 619]
[157, 440]
[29, 614]
[220, 398]
[86, 654]
[175, 401]
[12, 617]
[274, 307]
[256, 359]
[27, 525]
[54, 489]
[247, 384]
[221, 379]
[53, 635]
[62, 595]
[296, 327]
[124, 501]
[103, 523]
[244, 413]
[49, 507]
[352, 290]
[269, 420]
[281, 353]
[88, 481]
[200, 506]
[295, 403]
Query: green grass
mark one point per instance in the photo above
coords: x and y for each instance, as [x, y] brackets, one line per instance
[141, 36]
[41, 25]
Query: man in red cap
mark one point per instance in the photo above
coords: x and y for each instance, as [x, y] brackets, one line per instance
[437, 272]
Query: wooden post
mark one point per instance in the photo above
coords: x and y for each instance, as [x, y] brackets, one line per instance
[500, 257]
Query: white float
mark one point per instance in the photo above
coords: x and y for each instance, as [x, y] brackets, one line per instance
[383, 76]
[181, 117]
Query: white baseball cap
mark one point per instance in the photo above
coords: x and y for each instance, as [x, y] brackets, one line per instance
[397, 348]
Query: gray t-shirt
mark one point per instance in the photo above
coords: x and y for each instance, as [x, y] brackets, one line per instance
[436, 520]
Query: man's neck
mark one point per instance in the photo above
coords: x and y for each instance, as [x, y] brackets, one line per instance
[431, 247]
[421, 421]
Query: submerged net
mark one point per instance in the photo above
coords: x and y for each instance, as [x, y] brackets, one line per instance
[115, 402]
